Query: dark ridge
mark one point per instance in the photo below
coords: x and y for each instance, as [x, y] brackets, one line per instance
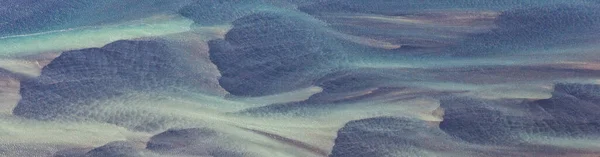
[574, 104]
[115, 149]
[193, 141]
[30, 16]
[562, 115]
[387, 136]
[204, 12]
[268, 53]
[476, 121]
[395, 8]
[76, 78]
[590, 92]
[538, 28]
